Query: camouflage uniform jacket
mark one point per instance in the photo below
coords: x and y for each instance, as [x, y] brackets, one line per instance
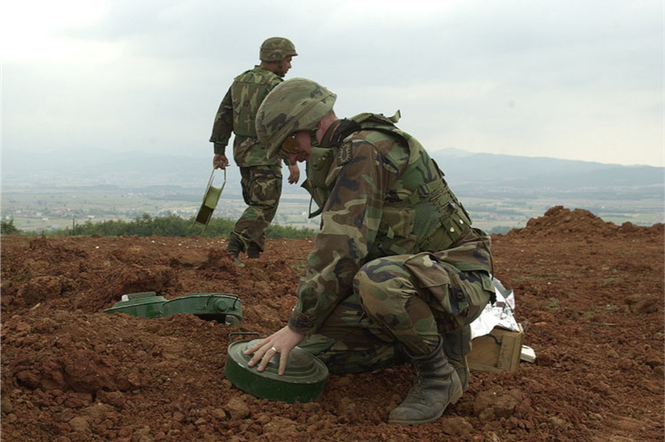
[237, 114]
[387, 197]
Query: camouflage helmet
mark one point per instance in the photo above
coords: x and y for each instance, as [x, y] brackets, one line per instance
[276, 49]
[293, 105]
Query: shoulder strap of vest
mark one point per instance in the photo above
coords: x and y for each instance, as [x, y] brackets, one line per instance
[380, 118]
[258, 74]
[381, 123]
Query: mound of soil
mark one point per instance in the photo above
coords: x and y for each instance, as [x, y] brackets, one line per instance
[581, 223]
[589, 294]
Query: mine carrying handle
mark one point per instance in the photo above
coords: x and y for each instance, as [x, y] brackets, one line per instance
[236, 300]
[212, 177]
[232, 335]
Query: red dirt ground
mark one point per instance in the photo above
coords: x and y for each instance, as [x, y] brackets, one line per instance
[589, 294]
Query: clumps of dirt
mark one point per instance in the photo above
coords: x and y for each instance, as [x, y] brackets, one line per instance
[589, 295]
[643, 304]
[219, 261]
[40, 272]
[580, 222]
[456, 426]
[497, 403]
[123, 279]
[41, 288]
[63, 364]
[58, 253]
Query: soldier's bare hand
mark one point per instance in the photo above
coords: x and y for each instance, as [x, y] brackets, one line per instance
[294, 174]
[280, 342]
[220, 161]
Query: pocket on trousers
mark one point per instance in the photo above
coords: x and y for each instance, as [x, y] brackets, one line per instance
[442, 287]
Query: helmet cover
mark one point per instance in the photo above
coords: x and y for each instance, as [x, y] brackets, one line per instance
[293, 105]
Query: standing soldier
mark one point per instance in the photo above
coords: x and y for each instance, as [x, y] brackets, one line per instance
[397, 272]
[261, 176]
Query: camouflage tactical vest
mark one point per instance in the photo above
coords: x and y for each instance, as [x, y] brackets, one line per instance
[247, 92]
[420, 212]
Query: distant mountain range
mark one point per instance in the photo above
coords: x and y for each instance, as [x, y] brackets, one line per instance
[501, 173]
[467, 173]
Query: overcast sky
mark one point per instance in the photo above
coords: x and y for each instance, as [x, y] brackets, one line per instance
[571, 79]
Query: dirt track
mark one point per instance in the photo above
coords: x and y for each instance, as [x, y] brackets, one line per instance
[590, 295]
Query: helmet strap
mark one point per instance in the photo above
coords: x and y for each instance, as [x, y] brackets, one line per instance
[280, 68]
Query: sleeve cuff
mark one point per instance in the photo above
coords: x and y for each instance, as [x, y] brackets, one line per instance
[220, 149]
[301, 323]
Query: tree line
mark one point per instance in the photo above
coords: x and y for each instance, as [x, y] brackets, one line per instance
[173, 225]
[170, 226]
[8, 227]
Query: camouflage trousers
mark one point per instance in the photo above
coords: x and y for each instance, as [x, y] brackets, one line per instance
[261, 190]
[398, 302]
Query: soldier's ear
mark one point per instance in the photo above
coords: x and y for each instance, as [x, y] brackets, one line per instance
[318, 129]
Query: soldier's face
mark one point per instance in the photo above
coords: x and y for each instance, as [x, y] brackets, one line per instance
[285, 65]
[304, 147]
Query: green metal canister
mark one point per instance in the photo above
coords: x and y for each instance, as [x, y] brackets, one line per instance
[143, 305]
[303, 380]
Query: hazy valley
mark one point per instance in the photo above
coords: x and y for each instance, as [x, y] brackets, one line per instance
[52, 191]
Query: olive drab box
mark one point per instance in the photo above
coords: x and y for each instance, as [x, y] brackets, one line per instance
[210, 200]
[500, 350]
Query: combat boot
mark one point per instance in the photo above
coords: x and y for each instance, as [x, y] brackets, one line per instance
[456, 346]
[253, 251]
[235, 246]
[436, 385]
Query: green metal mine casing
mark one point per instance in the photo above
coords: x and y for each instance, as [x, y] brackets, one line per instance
[225, 308]
[303, 380]
[143, 305]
